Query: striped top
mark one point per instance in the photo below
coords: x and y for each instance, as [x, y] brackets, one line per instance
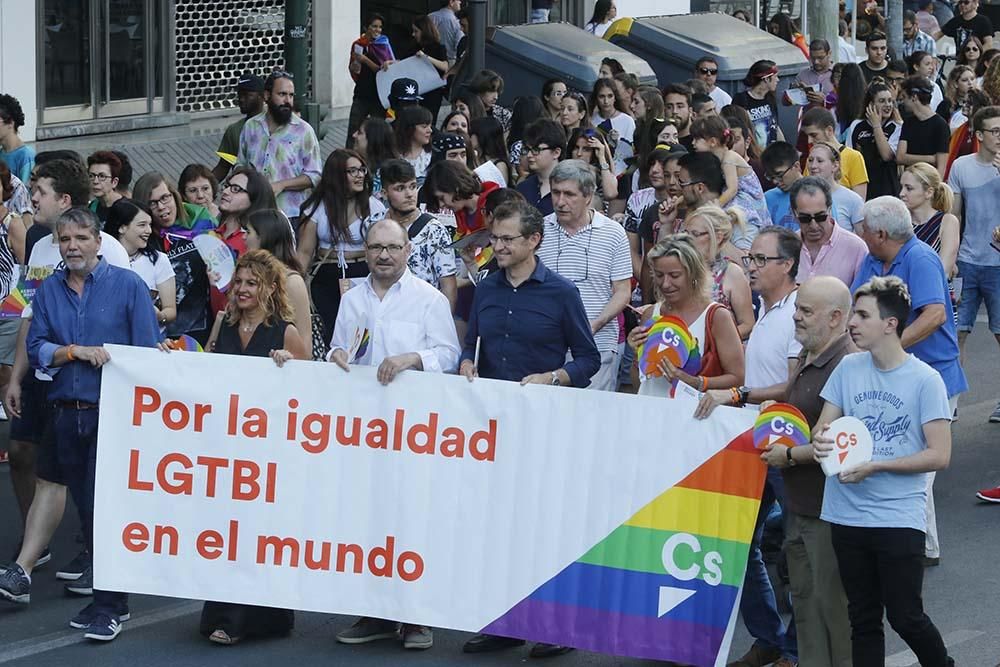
[8, 265]
[591, 259]
[930, 232]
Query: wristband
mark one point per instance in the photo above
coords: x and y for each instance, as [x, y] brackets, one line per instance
[704, 383]
[736, 395]
[69, 352]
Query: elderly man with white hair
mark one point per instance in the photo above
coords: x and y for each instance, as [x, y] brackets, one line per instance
[930, 332]
[591, 250]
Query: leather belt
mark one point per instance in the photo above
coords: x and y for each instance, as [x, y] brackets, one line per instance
[75, 405]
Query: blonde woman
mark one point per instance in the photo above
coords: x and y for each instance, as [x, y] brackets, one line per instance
[824, 162]
[710, 228]
[685, 283]
[929, 200]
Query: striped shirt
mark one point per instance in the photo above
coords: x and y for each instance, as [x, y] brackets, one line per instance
[591, 259]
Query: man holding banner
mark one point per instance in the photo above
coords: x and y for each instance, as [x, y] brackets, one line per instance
[524, 320]
[877, 508]
[85, 305]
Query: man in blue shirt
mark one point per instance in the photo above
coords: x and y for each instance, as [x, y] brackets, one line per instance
[930, 333]
[524, 319]
[19, 157]
[782, 168]
[84, 305]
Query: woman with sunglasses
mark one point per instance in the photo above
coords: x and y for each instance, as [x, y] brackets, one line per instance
[553, 92]
[330, 241]
[684, 284]
[824, 162]
[970, 53]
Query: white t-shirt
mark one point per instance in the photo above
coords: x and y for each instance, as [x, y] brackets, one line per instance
[356, 242]
[772, 343]
[153, 273]
[625, 125]
[720, 97]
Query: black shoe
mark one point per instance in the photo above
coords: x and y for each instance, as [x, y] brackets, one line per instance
[487, 643]
[75, 568]
[931, 561]
[548, 650]
[84, 585]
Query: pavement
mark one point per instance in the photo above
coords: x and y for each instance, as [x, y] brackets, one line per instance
[959, 595]
[170, 149]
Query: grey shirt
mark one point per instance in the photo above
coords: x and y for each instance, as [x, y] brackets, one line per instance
[449, 28]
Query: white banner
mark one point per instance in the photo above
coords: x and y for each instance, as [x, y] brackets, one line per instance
[610, 522]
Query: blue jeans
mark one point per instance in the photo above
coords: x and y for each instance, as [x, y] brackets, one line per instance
[758, 605]
[979, 284]
[539, 16]
[73, 434]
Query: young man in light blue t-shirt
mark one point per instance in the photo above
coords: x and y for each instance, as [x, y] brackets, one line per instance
[877, 510]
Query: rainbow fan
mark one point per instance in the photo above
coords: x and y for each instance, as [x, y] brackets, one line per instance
[669, 338]
[185, 344]
[782, 424]
[14, 304]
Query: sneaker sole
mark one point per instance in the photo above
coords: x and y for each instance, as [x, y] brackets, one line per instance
[101, 638]
[17, 599]
[82, 592]
[369, 638]
[68, 576]
[419, 646]
[84, 626]
[978, 495]
[45, 558]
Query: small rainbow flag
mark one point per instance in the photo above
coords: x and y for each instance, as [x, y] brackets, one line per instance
[780, 423]
[363, 345]
[664, 584]
[14, 304]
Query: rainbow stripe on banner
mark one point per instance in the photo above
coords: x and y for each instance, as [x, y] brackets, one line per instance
[664, 584]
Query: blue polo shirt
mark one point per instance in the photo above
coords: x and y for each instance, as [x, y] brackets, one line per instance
[529, 328]
[917, 265]
[531, 188]
[780, 207]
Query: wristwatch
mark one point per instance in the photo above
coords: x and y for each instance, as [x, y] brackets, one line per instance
[788, 453]
[555, 379]
[744, 392]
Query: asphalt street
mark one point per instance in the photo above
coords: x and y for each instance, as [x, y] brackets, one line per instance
[960, 595]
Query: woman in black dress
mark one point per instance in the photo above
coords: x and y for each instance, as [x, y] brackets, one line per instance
[257, 322]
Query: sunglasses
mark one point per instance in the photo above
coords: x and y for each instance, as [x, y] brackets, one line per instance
[817, 218]
[707, 71]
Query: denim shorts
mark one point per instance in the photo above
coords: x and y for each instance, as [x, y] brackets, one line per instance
[979, 284]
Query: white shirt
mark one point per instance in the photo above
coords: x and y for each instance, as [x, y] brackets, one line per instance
[772, 343]
[411, 317]
[625, 126]
[153, 274]
[720, 97]
[356, 240]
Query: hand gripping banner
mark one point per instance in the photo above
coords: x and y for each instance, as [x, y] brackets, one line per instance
[609, 522]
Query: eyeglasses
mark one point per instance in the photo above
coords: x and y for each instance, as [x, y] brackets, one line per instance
[535, 150]
[357, 171]
[776, 176]
[684, 184]
[995, 131]
[586, 252]
[162, 202]
[100, 178]
[817, 218]
[393, 249]
[707, 71]
[760, 260]
[504, 240]
[235, 189]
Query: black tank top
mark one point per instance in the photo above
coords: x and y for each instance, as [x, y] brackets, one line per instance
[264, 339]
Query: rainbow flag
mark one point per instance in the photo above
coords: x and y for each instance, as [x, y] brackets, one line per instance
[664, 584]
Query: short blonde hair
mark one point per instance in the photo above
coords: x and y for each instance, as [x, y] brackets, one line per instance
[681, 246]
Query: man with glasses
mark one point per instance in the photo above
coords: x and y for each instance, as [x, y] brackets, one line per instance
[528, 325]
[409, 326]
[592, 251]
[772, 353]
[877, 49]
[968, 23]
[915, 39]
[282, 146]
[542, 148]
[783, 169]
[60, 185]
[975, 180]
[707, 70]
[929, 332]
[103, 168]
[817, 79]
[827, 248]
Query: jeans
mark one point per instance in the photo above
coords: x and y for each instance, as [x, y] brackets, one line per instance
[883, 570]
[73, 434]
[979, 284]
[539, 16]
[758, 605]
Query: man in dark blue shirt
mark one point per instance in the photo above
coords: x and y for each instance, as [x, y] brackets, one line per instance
[524, 319]
[83, 306]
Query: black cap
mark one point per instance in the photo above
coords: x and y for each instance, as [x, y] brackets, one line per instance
[405, 90]
[250, 82]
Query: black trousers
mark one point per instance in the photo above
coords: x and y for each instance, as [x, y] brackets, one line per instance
[361, 108]
[883, 570]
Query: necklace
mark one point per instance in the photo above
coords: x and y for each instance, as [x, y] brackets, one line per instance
[247, 327]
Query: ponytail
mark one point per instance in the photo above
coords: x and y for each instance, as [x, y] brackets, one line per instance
[942, 198]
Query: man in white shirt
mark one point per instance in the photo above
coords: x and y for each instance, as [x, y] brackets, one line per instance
[771, 355]
[59, 186]
[394, 321]
[591, 250]
[707, 69]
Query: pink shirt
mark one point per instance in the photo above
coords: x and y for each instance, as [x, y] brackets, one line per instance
[840, 256]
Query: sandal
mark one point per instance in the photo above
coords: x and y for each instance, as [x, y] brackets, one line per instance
[222, 637]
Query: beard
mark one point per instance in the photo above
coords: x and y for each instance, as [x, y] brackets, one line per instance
[281, 113]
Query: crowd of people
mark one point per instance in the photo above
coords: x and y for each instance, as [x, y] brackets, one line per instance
[840, 270]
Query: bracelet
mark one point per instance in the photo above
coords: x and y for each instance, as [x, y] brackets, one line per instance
[704, 383]
[736, 395]
[69, 352]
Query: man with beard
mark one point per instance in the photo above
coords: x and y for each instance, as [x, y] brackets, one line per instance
[282, 146]
[677, 105]
[431, 257]
[702, 182]
[250, 98]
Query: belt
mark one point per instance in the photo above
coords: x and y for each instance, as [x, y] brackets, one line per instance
[332, 257]
[75, 405]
